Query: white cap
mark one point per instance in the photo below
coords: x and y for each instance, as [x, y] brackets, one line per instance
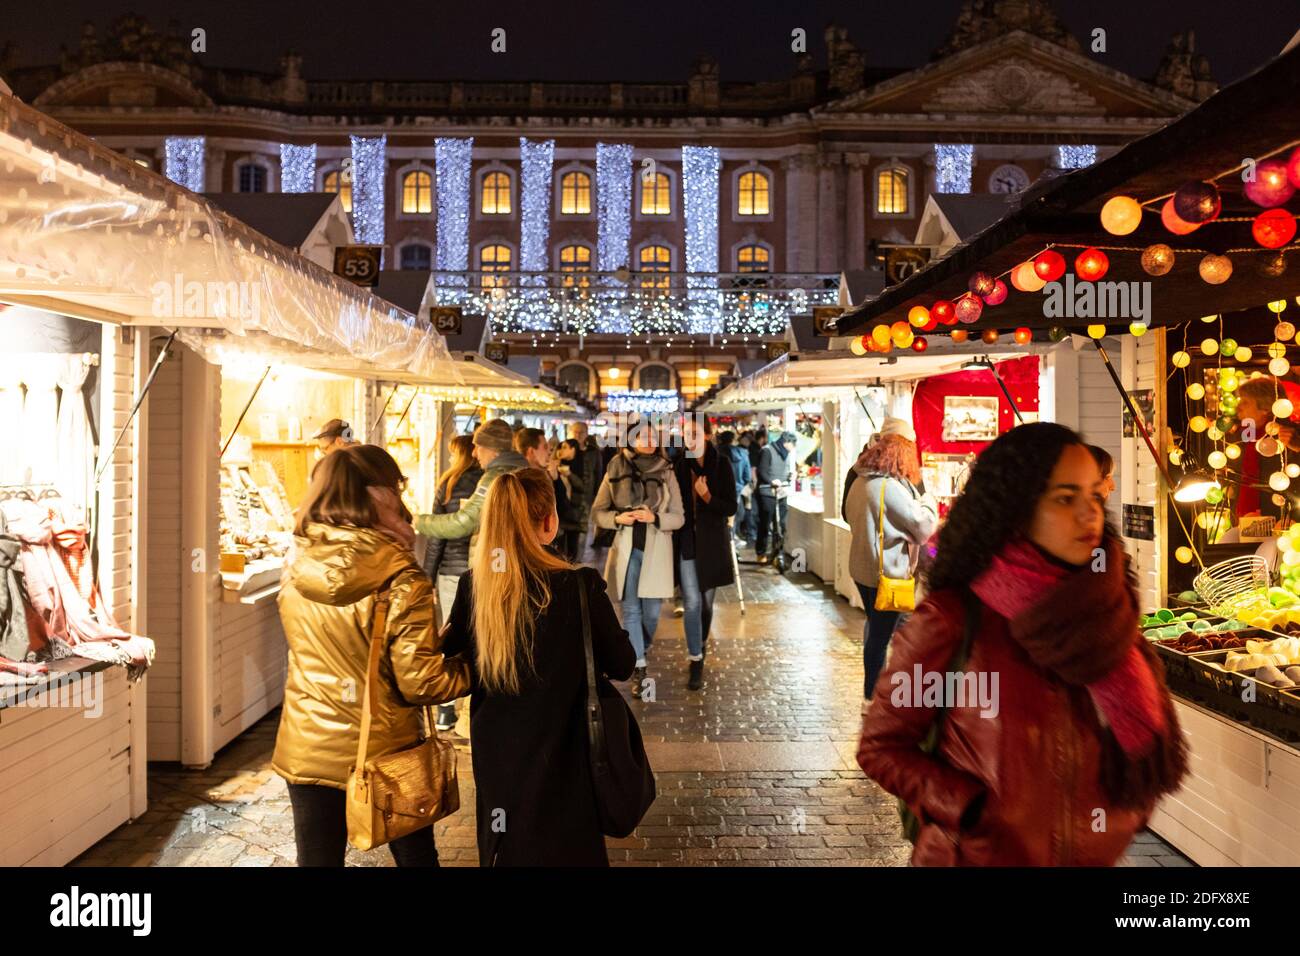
[898, 426]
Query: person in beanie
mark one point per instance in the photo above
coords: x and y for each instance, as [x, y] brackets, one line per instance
[1062, 760]
[494, 451]
[775, 472]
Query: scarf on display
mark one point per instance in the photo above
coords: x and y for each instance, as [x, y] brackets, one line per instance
[1082, 626]
[637, 480]
[389, 509]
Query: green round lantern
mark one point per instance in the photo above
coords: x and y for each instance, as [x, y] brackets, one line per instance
[1056, 333]
[1228, 385]
[1223, 423]
[1228, 348]
[1214, 496]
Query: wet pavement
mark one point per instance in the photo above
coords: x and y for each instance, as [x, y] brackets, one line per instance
[756, 769]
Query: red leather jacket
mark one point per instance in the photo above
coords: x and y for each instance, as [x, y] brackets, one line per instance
[1036, 763]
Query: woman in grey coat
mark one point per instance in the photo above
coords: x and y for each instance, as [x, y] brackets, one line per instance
[888, 469]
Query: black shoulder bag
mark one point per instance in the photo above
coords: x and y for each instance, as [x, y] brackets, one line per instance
[930, 744]
[621, 777]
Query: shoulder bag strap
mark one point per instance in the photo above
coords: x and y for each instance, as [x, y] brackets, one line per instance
[880, 525]
[378, 629]
[593, 700]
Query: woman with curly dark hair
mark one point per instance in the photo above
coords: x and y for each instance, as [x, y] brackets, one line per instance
[1024, 719]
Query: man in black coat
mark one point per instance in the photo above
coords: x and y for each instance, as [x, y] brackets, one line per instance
[702, 547]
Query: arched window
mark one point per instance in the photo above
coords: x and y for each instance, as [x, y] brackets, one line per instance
[252, 178]
[753, 196]
[892, 191]
[417, 192]
[494, 194]
[417, 256]
[753, 258]
[331, 184]
[654, 259]
[576, 377]
[492, 258]
[575, 258]
[656, 195]
[654, 376]
[575, 194]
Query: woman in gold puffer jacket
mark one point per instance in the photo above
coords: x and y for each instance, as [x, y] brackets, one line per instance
[354, 538]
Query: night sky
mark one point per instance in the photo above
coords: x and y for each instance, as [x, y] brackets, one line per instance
[630, 41]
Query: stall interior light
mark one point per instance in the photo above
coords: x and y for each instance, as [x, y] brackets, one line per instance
[1194, 486]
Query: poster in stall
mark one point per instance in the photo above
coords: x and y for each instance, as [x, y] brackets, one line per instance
[970, 418]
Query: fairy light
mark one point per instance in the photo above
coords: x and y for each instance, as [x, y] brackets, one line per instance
[451, 169]
[368, 155]
[952, 167]
[535, 160]
[700, 168]
[1075, 157]
[297, 168]
[656, 401]
[613, 205]
[184, 161]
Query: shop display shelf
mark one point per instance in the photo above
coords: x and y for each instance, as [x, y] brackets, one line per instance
[1273, 709]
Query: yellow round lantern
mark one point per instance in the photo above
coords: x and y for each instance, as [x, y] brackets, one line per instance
[1138, 329]
[1213, 433]
[1283, 408]
[1198, 423]
[1097, 331]
[882, 336]
[1207, 319]
[857, 346]
[1181, 360]
[1276, 350]
[902, 335]
[1025, 279]
[1196, 391]
[1243, 354]
[1216, 459]
[1292, 470]
[1278, 481]
[1175, 456]
[1121, 215]
[1279, 367]
[1232, 451]
[1184, 555]
[1279, 306]
[1210, 346]
[918, 315]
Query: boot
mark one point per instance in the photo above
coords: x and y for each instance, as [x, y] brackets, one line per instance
[638, 676]
[696, 679]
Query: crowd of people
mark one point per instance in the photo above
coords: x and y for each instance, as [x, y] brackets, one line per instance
[1007, 586]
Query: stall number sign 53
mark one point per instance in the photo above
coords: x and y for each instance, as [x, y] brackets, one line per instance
[360, 264]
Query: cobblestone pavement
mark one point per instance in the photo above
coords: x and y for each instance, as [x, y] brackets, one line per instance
[755, 770]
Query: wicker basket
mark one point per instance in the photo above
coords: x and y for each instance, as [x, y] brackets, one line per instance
[1220, 583]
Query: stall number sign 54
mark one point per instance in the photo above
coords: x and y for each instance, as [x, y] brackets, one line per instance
[359, 264]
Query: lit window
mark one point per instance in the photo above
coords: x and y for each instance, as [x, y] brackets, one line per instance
[891, 192]
[493, 258]
[575, 258]
[417, 192]
[331, 185]
[754, 194]
[753, 258]
[496, 194]
[655, 259]
[252, 179]
[656, 195]
[575, 194]
[417, 256]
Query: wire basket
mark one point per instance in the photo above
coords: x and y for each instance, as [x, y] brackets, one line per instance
[1221, 584]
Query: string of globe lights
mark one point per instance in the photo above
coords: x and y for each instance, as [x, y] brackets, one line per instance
[1190, 207]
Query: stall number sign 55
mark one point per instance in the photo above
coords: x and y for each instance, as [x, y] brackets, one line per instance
[359, 264]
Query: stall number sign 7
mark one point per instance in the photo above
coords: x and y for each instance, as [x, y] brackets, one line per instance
[359, 264]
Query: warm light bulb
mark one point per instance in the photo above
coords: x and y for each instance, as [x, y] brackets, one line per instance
[613, 372]
[702, 374]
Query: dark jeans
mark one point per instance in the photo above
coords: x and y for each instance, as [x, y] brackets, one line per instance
[744, 518]
[320, 828]
[767, 513]
[875, 638]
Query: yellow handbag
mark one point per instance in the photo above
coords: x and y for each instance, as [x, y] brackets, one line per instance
[892, 594]
[398, 793]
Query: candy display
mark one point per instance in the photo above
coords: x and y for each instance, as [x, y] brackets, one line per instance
[1283, 652]
[1193, 641]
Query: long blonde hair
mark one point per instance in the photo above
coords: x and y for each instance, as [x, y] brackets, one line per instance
[462, 460]
[511, 567]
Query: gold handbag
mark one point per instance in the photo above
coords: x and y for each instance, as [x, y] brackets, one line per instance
[892, 594]
[398, 793]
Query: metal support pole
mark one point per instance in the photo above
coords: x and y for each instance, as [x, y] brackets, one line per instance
[240, 420]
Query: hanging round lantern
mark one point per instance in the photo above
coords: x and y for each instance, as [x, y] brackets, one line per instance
[1091, 264]
[1198, 423]
[1228, 385]
[1023, 336]
[857, 346]
[1157, 259]
[968, 309]
[1175, 456]
[1184, 555]
[1228, 348]
[1268, 446]
[990, 336]
[1097, 331]
[1279, 367]
[1276, 350]
[900, 333]
[918, 315]
[919, 344]
[1196, 391]
[1215, 433]
[1283, 408]
[1173, 222]
[1271, 266]
[1273, 429]
[1207, 319]
[998, 295]
[1216, 460]
[1292, 470]
[1210, 347]
[1273, 228]
[959, 335]
[1277, 306]
[1232, 451]
[1215, 269]
[1181, 359]
[1197, 202]
[1137, 329]
[1284, 331]
[944, 312]
[1293, 168]
[1270, 186]
[1121, 215]
[1214, 495]
[1025, 279]
[1278, 481]
[880, 334]
[981, 283]
[1049, 265]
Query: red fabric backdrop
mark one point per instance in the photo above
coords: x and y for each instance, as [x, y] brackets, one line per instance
[1021, 377]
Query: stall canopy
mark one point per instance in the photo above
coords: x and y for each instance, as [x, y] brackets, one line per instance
[1252, 119]
[89, 233]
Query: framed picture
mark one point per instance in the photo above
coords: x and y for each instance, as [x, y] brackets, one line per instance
[970, 418]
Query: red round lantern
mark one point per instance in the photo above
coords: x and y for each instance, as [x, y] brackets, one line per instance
[990, 336]
[1049, 265]
[944, 311]
[1091, 264]
[1175, 223]
[998, 295]
[1270, 187]
[969, 308]
[919, 344]
[1273, 228]
[1023, 336]
[981, 283]
[1293, 168]
[931, 324]
[1197, 202]
[959, 335]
